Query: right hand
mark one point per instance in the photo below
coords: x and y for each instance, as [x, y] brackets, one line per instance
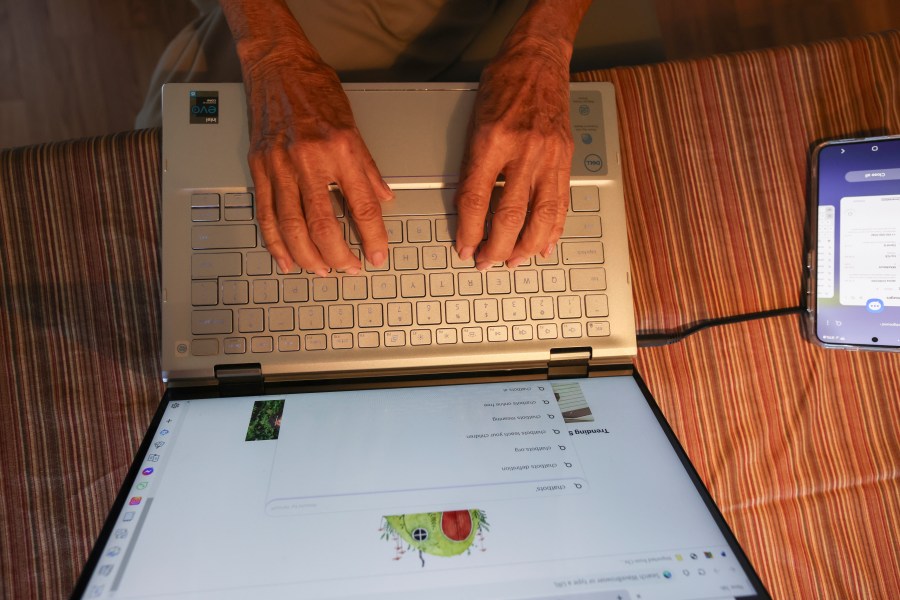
[302, 138]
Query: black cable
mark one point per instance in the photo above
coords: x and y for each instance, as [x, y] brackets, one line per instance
[664, 339]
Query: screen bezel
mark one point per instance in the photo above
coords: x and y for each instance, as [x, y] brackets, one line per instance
[810, 268]
[280, 389]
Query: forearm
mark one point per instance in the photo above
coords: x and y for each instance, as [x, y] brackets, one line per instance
[266, 29]
[548, 26]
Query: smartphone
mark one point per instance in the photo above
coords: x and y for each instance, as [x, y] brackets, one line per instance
[854, 255]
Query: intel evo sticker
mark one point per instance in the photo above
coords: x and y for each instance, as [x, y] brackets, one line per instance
[204, 108]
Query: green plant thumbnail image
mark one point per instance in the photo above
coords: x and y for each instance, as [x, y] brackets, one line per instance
[447, 533]
[265, 420]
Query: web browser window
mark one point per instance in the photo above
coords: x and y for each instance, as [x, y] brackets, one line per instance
[546, 489]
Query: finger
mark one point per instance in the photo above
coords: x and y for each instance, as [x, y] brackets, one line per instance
[323, 227]
[265, 214]
[382, 190]
[473, 197]
[365, 210]
[541, 221]
[507, 221]
[562, 184]
[290, 218]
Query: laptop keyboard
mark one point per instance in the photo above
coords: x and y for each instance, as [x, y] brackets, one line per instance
[423, 295]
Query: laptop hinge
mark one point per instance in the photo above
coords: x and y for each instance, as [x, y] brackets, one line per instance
[568, 362]
[240, 380]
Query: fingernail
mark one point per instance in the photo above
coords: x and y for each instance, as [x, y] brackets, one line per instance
[378, 258]
[548, 250]
[512, 263]
[483, 265]
[284, 265]
[352, 270]
[322, 271]
[388, 192]
[466, 252]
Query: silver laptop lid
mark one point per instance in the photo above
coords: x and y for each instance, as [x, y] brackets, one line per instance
[224, 307]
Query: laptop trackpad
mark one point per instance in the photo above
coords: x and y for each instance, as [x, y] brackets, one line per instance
[414, 133]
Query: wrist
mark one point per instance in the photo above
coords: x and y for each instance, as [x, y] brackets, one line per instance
[266, 31]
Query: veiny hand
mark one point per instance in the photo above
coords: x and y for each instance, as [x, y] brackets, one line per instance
[520, 129]
[303, 137]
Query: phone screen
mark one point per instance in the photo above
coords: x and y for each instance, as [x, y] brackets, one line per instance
[857, 266]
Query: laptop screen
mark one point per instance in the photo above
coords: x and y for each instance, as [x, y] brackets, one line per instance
[537, 489]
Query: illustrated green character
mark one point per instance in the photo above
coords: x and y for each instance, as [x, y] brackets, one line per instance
[447, 533]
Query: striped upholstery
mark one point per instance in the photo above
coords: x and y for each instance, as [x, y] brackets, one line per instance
[796, 444]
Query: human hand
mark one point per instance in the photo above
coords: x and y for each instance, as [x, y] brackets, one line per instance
[303, 137]
[520, 129]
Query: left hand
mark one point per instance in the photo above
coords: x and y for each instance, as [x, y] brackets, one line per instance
[520, 129]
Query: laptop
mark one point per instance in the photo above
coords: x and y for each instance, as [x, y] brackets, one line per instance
[418, 428]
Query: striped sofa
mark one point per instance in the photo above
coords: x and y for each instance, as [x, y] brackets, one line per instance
[798, 445]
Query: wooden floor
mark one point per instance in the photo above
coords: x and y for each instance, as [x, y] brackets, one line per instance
[73, 68]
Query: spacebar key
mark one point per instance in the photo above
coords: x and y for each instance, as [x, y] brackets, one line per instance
[206, 237]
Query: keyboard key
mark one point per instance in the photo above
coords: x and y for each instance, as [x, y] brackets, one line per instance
[541, 307]
[554, 280]
[547, 331]
[457, 263]
[571, 330]
[342, 341]
[265, 291]
[522, 332]
[238, 214]
[204, 347]
[296, 290]
[420, 337]
[281, 318]
[340, 316]
[235, 292]
[261, 344]
[526, 281]
[368, 339]
[434, 257]
[392, 339]
[486, 310]
[446, 336]
[325, 289]
[204, 237]
[399, 314]
[514, 309]
[238, 200]
[209, 322]
[250, 320]
[582, 253]
[551, 259]
[472, 335]
[420, 202]
[497, 282]
[457, 311]
[311, 317]
[210, 266]
[204, 293]
[428, 312]
[384, 286]
[418, 231]
[394, 231]
[370, 315]
[385, 266]
[585, 198]
[441, 284]
[470, 284]
[316, 341]
[582, 226]
[445, 229]
[235, 345]
[355, 288]
[337, 202]
[288, 343]
[406, 258]
[583, 280]
[204, 215]
[569, 307]
[259, 263]
[204, 201]
[596, 305]
[497, 333]
[412, 285]
[598, 328]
